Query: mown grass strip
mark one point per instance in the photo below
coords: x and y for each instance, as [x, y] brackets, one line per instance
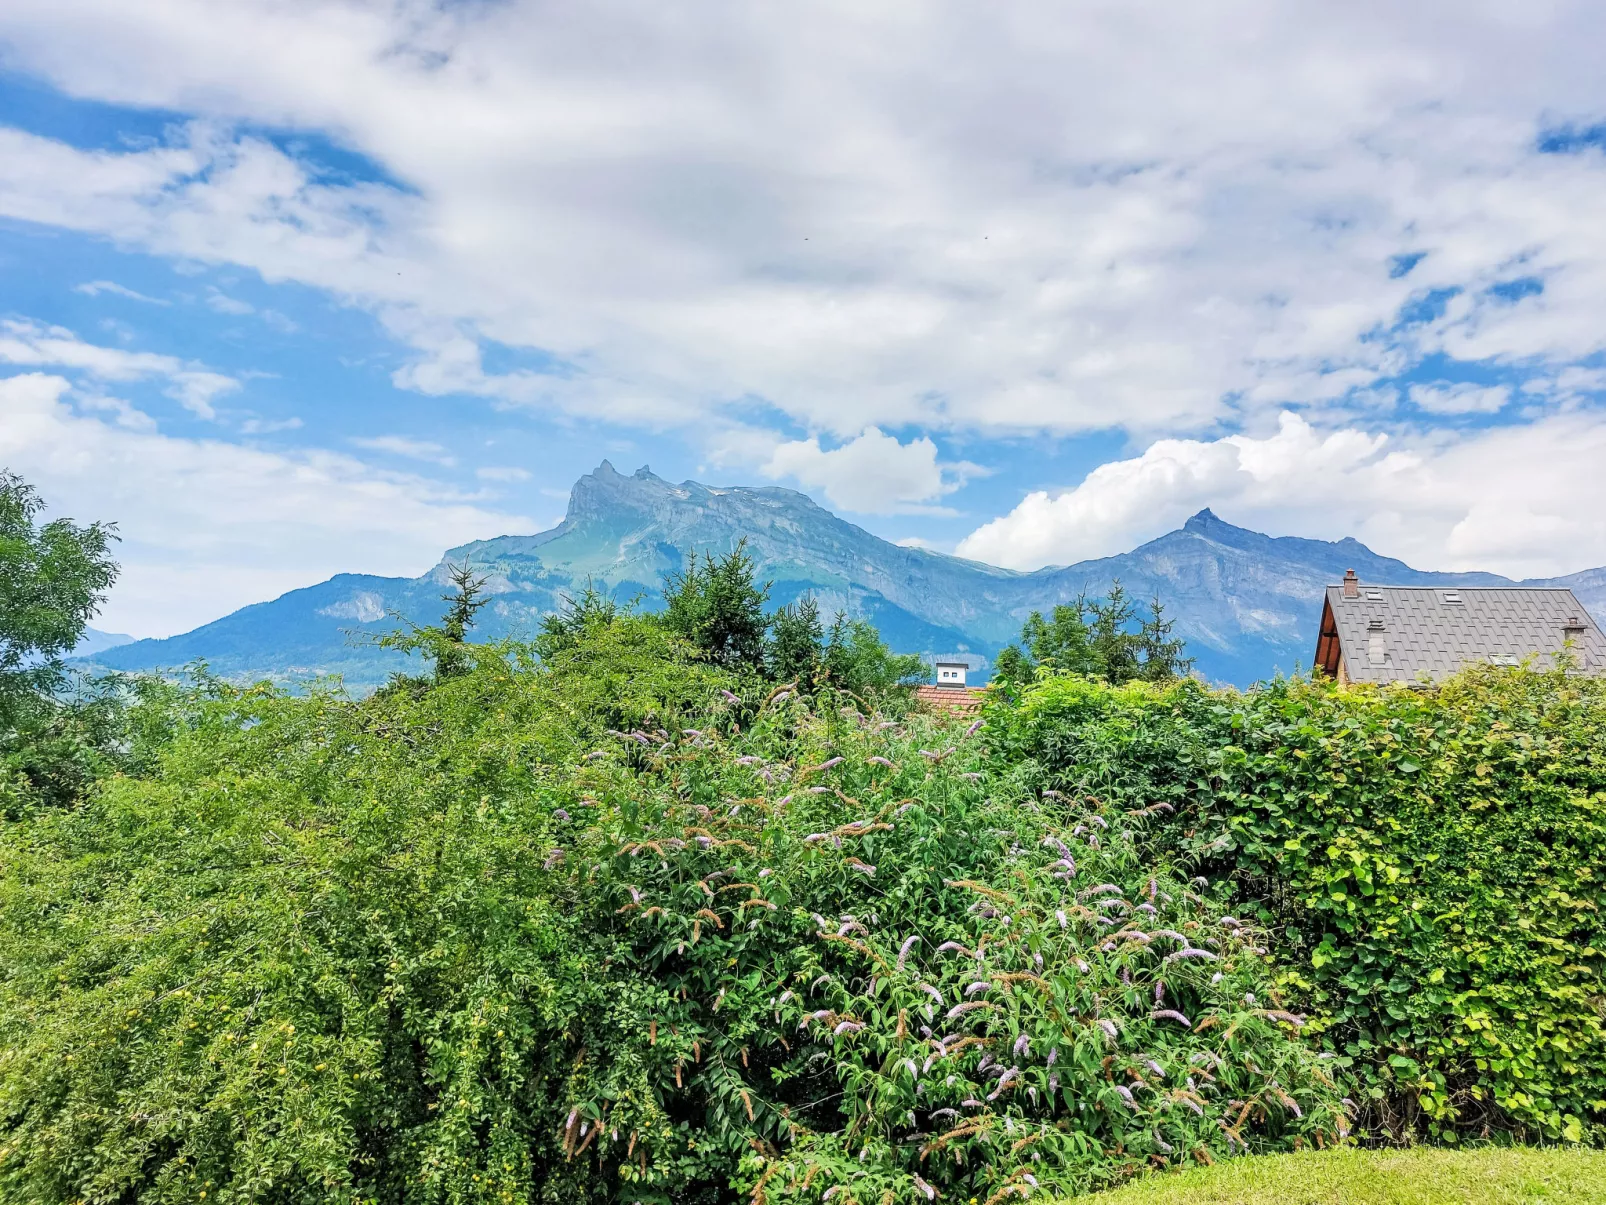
[1423, 1176]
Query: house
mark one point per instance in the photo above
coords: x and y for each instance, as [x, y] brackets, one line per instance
[1414, 633]
[949, 695]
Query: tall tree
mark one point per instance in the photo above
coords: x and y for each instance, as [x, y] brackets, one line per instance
[796, 643]
[1062, 640]
[1163, 654]
[716, 605]
[463, 603]
[446, 642]
[577, 617]
[53, 578]
[1103, 638]
[858, 660]
[1111, 642]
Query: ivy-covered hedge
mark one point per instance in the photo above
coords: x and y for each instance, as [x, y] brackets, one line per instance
[1431, 865]
[464, 943]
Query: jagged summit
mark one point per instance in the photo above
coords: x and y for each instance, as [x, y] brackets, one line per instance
[1247, 603]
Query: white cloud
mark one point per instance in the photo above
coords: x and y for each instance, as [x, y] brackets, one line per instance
[1059, 218]
[209, 526]
[1525, 501]
[263, 426]
[872, 474]
[1114, 214]
[1462, 398]
[94, 288]
[224, 304]
[32, 344]
[412, 449]
[502, 473]
[195, 391]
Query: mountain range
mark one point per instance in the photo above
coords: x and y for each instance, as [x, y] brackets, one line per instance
[1247, 603]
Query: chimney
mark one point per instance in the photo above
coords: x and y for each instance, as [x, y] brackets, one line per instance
[1352, 584]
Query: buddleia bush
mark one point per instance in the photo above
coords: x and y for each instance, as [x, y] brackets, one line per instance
[1430, 864]
[614, 927]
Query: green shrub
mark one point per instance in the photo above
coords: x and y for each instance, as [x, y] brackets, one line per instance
[1430, 864]
[465, 943]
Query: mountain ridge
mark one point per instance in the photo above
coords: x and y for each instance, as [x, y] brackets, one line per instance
[1246, 602]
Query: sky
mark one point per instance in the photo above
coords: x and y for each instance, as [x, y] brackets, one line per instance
[291, 288]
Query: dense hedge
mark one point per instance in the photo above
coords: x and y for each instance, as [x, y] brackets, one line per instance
[1431, 863]
[463, 943]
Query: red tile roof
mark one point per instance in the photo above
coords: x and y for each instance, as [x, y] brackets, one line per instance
[948, 700]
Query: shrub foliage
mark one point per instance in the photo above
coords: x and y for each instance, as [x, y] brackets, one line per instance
[602, 927]
[1429, 863]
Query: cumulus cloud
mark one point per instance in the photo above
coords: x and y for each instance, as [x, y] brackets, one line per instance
[209, 526]
[872, 474]
[1522, 500]
[1168, 220]
[1059, 218]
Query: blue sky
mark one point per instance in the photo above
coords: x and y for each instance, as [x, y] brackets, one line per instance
[290, 289]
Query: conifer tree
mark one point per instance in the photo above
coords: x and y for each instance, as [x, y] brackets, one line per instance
[716, 605]
[796, 643]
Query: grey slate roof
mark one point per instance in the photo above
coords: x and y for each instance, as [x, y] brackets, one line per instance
[1407, 633]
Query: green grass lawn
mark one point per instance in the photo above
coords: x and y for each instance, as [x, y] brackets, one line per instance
[1489, 1176]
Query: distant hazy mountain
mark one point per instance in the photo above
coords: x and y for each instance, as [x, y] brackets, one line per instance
[1247, 604]
[95, 641]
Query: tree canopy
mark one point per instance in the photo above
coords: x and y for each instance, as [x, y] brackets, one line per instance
[1101, 638]
[716, 605]
[53, 578]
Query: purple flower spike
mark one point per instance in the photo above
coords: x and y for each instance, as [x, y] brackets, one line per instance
[903, 950]
[1293, 1019]
[729, 697]
[1108, 1027]
[974, 728]
[1126, 1096]
[1022, 1047]
[980, 985]
[1205, 954]
[1053, 1056]
[1170, 1014]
